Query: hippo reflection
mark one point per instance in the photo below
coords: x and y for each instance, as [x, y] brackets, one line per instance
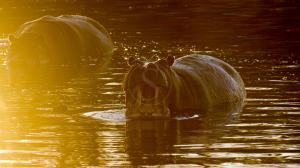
[170, 87]
[147, 138]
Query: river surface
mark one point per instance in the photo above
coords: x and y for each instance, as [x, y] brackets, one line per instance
[48, 124]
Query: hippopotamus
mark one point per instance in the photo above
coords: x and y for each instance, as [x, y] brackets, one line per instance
[169, 87]
[67, 40]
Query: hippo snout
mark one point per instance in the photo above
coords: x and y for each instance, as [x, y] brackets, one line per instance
[149, 111]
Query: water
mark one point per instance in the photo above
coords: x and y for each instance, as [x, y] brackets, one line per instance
[45, 126]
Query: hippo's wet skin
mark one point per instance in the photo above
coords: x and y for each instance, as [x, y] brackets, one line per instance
[167, 87]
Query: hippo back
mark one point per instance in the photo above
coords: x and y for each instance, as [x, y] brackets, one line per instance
[202, 81]
[70, 38]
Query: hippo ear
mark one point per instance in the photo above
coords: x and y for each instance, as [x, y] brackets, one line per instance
[170, 60]
[132, 61]
[11, 38]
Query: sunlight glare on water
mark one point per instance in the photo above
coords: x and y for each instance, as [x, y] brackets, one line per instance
[81, 122]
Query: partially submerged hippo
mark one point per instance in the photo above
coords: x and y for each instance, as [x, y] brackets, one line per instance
[67, 40]
[191, 83]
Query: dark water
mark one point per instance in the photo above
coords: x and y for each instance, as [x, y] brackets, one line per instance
[42, 125]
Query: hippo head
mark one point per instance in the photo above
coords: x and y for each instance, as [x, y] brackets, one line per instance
[147, 88]
[29, 48]
[27, 54]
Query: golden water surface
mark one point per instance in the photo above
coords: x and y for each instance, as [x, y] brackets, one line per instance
[42, 125]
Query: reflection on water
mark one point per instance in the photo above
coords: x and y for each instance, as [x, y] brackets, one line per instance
[42, 125]
[147, 139]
